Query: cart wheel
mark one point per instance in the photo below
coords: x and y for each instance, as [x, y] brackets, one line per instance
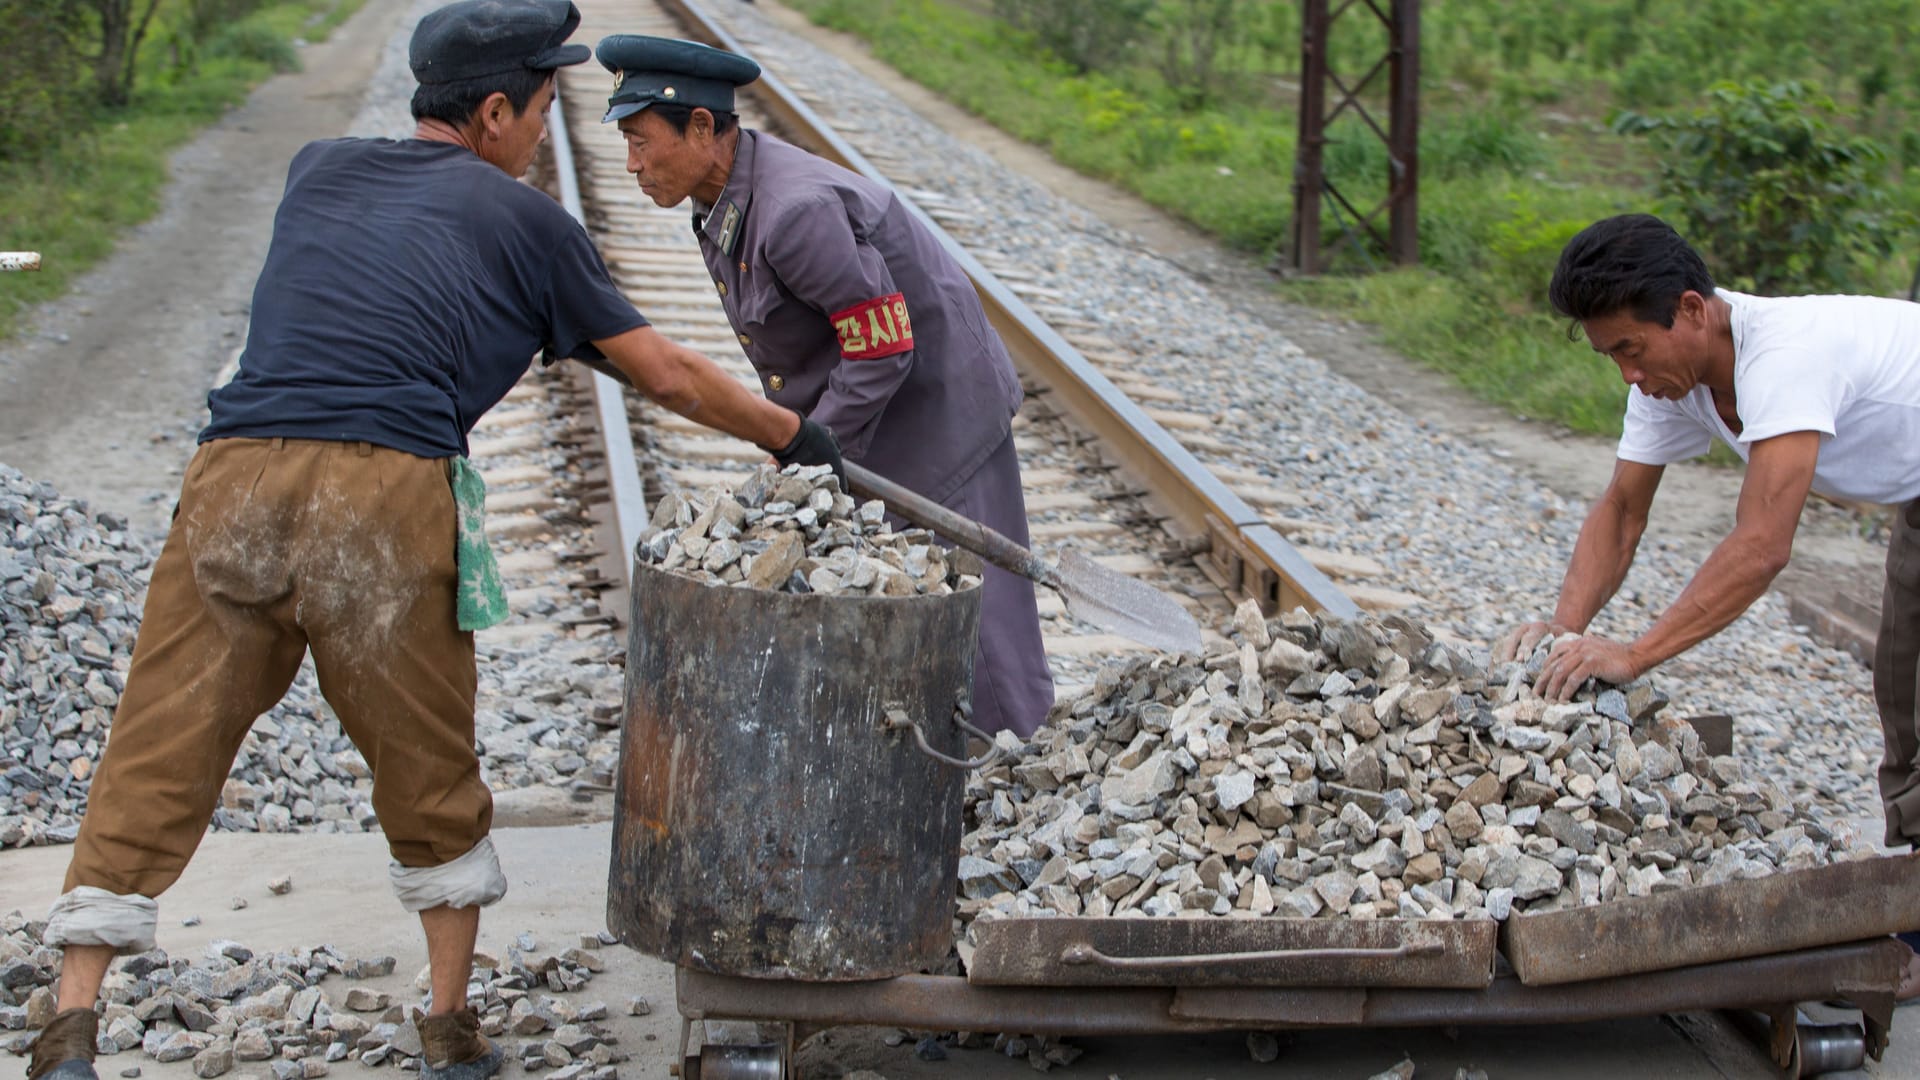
[735, 1063]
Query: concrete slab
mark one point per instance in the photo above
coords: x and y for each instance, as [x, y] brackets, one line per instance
[340, 896]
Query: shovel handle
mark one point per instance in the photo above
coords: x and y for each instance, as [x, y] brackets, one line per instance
[963, 531]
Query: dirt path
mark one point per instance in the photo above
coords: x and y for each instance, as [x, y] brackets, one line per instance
[1696, 501]
[103, 389]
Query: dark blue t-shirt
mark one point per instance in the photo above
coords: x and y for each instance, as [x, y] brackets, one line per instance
[407, 288]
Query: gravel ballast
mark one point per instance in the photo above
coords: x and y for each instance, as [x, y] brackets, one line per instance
[1484, 544]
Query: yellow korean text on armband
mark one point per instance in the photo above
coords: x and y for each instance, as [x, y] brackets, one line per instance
[874, 328]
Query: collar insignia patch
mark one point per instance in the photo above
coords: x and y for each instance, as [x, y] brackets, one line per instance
[730, 227]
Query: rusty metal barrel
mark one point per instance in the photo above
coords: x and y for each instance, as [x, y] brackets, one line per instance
[779, 810]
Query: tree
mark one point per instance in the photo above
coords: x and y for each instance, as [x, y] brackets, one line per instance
[1192, 34]
[123, 26]
[1088, 34]
[37, 99]
[1779, 200]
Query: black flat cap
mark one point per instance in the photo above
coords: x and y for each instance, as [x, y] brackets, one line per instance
[490, 37]
[654, 70]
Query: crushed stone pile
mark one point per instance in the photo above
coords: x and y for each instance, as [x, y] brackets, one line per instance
[71, 587]
[283, 1015]
[1360, 769]
[793, 530]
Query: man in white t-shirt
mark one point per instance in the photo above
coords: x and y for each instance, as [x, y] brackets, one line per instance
[1815, 393]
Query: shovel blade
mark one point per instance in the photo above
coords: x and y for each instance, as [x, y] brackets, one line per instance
[1126, 606]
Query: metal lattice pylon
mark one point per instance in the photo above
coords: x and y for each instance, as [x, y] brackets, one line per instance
[1311, 188]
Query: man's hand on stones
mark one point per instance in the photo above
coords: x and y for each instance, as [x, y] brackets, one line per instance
[1575, 660]
[1519, 643]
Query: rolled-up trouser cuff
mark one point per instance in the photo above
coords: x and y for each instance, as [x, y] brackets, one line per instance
[94, 916]
[473, 879]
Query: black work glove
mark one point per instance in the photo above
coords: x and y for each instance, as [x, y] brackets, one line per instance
[813, 444]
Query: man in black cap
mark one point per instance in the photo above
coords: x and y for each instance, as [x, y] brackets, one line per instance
[852, 313]
[330, 507]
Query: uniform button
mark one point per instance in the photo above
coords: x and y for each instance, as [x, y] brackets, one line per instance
[722, 286]
[745, 340]
[775, 382]
[743, 268]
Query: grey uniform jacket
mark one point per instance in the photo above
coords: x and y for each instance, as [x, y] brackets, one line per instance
[853, 314]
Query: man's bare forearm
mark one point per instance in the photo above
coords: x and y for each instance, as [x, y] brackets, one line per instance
[706, 394]
[1601, 558]
[1737, 573]
[695, 387]
[1741, 567]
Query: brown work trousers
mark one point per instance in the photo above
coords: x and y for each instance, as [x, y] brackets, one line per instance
[1896, 673]
[279, 546]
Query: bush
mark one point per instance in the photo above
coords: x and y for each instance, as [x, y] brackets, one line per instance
[1477, 142]
[1090, 35]
[1193, 35]
[1523, 248]
[252, 41]
[205, 19]
[194, 30]
[1776, 198]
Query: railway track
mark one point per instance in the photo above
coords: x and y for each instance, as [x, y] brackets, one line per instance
[1113, 461]
[1117, 464]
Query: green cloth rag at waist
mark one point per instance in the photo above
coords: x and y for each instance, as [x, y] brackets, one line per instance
[482, 599]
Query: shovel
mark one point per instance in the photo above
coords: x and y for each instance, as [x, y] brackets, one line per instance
[1109, 600]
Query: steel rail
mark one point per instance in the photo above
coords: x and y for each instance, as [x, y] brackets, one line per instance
[624, 490]
[1246, 552]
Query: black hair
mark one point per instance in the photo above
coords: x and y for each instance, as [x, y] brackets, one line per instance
[455, 102]
[1633, 262]
[681, 115]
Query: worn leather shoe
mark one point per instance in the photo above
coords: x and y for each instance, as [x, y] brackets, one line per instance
[65, 1048]
[452, 1048]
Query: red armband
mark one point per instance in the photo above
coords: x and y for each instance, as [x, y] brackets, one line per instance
[876, 328]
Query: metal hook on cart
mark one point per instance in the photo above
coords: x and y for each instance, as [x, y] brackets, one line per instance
[897, 720]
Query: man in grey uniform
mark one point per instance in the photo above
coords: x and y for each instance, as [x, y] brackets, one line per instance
[852, 314]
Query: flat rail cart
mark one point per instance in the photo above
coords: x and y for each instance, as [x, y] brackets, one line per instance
[787, 816]
[1121, 976]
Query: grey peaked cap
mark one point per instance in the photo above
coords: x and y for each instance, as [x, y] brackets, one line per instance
[656, 70]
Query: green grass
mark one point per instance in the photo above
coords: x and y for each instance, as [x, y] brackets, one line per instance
[1515, 156]
[74, 202]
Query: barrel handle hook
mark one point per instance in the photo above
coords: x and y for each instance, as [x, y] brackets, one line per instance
[898, 720]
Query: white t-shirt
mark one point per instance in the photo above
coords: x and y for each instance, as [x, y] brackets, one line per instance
[1845, 366]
